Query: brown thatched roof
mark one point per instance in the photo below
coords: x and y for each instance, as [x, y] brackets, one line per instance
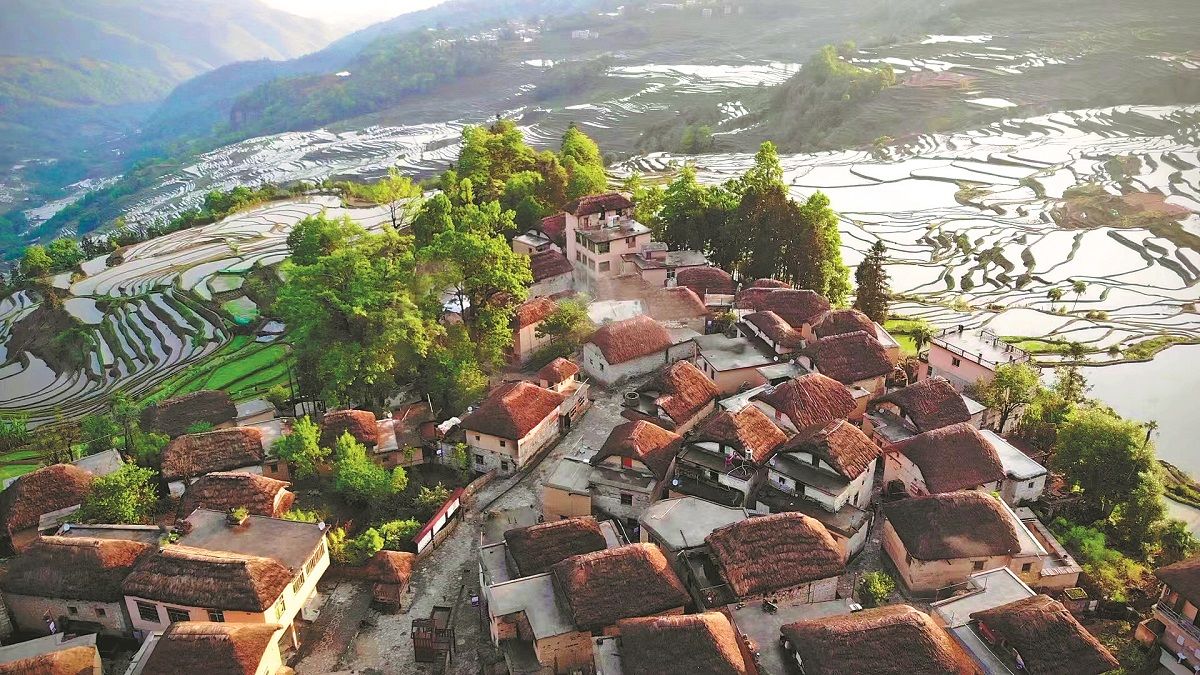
[173, 416]
[390, 567]
[79, 660]
[690, 644]
[609, 201]
[361, 424]
[532, 312]
[211, 648]
[622, 341]
[704, 280]
[683, 391]
[1183, 577]
[678, 303]
[892, 640]
[548, 264]
[956, 457]
[35, 494]
[554, 227]
[535, 549]
[930, 404]
[1049, 640]
[841, 444]
[513, 410]
[810, 401]
[955, 525]
[759, 556]
[795, 306]
[748, 430]
[223, 491]
[221, 450]
[774, 327]
[644, 442]
[842, 321]
[851, 357]
[557, 371]
[203, 578]
[604, 587]
[75, 568]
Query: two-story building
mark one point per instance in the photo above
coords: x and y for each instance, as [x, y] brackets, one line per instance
[806, 403]
[527, 318]
[966, 356]
[857, 360]
[653, 645]
[599, 231]
[1175, 624]
[261, 570]
[677, 399]
[801, 309]
[733, 364]
[928, 404]
[515, 423]
[828, 475]
[723, 460]
[632, 470]
[188, 457]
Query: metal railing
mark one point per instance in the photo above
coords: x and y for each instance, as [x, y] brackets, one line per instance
[1178, 619]
[1016, 355]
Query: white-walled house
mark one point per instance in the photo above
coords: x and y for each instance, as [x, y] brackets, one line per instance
[630, 348]
[805, 403]
[514, 424]
[631, 470]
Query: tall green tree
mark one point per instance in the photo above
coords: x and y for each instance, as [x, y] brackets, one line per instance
[584, 165]
[395, 192]
[65, 253]
[35, 262]
[647, 200]
[1136, 523]
[1102, 456]
[1014, 386]
[434, 217]
[301, 448]
[871, 296]
[355, 476]
[320, 235]
[355, 319]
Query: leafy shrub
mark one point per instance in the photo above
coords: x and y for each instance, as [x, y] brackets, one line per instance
[126, 496]
[353, 551]
[302, 516]
[199, 428]
[397, 533]
[875, 588]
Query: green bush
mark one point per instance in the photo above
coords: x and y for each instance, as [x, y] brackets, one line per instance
[397, 533]
[346, 551]
[302, 516]
[199, 428]
[875, 588]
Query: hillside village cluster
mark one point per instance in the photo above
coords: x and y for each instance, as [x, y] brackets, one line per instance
[723, 521]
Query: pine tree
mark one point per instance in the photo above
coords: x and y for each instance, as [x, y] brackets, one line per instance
[872, 280]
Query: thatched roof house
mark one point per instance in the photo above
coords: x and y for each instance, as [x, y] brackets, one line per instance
[604, 587]
[892, 640]
[705, 280]
[954, 525]
[851, 357]
[622, 341]
[842, 445]
[643, 442]
[795, 306]
[202, 578]
[929, 404]
[361, 424]
[695, 644]
[194, 455]
[759, 556]
[609, 201]
[810, 401]
[390, 567]
[548, 264]
[35, 494]
[842, 321]
[1049, 640]
[532, 312]
[748, 431]
[174, 416]
[78, 660]
[1183, 577]
[213, 648]
[557, 371]
[513, 410]
[951, 458]
[222, 491]
[776, 329]
[683, 391]
[677, 303]
[769, 283]
[74, 568]
[536, 548]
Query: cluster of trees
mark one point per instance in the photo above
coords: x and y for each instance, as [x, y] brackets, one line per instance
[1119, 523]
[751, 227]
[60, 255]
[366, 309]
[810, 106]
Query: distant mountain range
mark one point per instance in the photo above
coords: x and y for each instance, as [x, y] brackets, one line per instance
[72, 72]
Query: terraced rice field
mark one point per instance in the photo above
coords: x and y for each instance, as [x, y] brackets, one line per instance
[154, 315]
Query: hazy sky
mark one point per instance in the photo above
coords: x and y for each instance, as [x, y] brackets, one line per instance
[351, 13]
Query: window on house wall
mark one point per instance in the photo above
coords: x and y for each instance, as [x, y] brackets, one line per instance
[955, 361]
[476, 438]
[503, 443]
[176, 615]
[72, 610]
[216, 616]
[626, 499]
[603, 248]
[147, 612]
[280, 608]
[504, 466]
[1030, 485]
[297, 583]
[100, 611]
[479, 459]
[1026, 567]
[630, 242]
[977, 565]
[605, 266]
[578, 256]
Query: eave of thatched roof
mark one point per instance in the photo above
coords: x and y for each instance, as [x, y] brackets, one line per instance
[696, 644]
[762, 555]
[201, 578]
[75, 568]
[1049, 640]
[536, 548]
